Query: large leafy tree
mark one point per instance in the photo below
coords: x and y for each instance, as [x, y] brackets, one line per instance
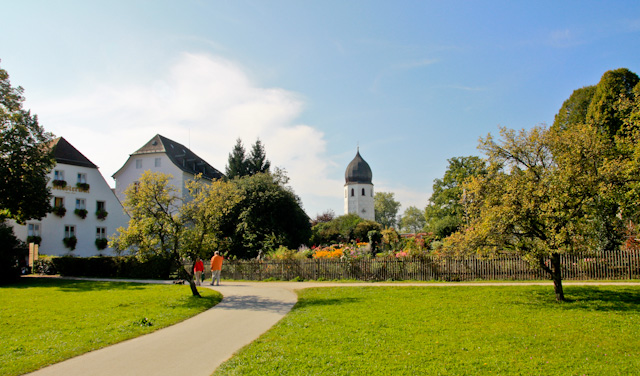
[539, 197]
[445, 213]
[269, 215]
[162, 224]
[413, 220]
[386, 209]
[25, 158]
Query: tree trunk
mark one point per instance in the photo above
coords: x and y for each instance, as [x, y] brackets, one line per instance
[194, 290]
[556, 275]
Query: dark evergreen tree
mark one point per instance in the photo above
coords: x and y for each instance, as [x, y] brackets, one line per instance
[237, 164]
[257, 161]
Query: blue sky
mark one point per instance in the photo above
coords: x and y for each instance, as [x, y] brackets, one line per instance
[413, 83]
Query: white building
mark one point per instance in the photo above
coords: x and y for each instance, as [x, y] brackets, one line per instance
[85, 208]
[161, 154]
[358, 189]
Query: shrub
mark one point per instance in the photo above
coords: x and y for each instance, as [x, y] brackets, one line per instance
[44, 265]
[12, 254]
[156, 267]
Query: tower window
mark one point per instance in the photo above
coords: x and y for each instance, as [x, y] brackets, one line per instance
[352, 192]
[363, 192]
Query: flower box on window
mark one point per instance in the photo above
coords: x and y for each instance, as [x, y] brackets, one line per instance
[60, 211]
[82, 213]
[101, 214]
[34, 239]
[70, 242]
[83, 186]
[102, 243]
[59, 183]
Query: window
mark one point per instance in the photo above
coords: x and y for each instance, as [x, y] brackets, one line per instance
[352, 192]
[80, 203]
[158, 162]
[82, 178]
[363, 192]
[33, 229]
[100, 205]
[101, 232]
[69, 231]
[58, 175]
[58, 202]
[138, 163]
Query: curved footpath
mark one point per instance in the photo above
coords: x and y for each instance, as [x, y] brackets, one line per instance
[197, 346]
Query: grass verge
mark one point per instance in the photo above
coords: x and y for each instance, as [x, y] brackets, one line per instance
[46, 320]
[510, 330]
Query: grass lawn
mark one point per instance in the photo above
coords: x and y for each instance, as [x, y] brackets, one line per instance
[46, 320]
[480, 330]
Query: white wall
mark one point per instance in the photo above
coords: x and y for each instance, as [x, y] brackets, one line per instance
[357, 203]
[52, 227]
[130, 173]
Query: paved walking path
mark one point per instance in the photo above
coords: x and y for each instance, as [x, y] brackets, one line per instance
[199, 345]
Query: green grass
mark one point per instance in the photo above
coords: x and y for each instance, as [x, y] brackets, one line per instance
[44, 320]
[514, 330]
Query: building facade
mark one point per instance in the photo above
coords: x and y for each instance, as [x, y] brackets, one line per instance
[85, 213]
[163, 155]
[358, 189]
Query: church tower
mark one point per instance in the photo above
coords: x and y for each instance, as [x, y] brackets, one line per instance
[358, 189]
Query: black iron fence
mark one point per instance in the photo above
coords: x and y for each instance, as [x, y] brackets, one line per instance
[601, 265]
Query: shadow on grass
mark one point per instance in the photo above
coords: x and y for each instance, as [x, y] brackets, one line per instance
[312, 302]
[592, 298]
[72, 285]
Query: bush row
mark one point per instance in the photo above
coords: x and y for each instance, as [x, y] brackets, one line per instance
[157, 267]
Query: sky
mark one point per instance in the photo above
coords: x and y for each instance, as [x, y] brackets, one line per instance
[410, 83]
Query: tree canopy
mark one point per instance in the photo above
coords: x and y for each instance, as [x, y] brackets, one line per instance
[386, 209]
[445, 213]
[413, 220]
[239, 164]
[25, 158]
[161, 223]
[270, 214]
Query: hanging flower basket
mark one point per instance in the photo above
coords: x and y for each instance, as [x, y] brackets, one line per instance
[82, 213]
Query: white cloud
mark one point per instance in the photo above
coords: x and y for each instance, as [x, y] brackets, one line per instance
[204, 102]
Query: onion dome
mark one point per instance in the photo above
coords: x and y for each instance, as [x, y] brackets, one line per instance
[358, 171]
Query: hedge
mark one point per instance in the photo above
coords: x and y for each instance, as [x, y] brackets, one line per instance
[114, 267]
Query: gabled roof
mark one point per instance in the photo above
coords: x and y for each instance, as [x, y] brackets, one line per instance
[65, 153]
[181, 156]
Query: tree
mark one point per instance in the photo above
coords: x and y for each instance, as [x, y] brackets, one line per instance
[257, 161]
[240, 164]
[326, 216]
[25, 158]
[445, 212]
[270, 214]
[386, 208]
[237, 166]
[161, 224]
[539, 196]
[604, 109]
[413, 220]
[574, 109]
[12, 254]
[343, 229]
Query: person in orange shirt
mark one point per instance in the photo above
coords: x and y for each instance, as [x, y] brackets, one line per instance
[198, 268]
[216, 267]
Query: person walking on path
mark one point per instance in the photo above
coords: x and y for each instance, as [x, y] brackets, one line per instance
[198, 268]
[216, 267]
